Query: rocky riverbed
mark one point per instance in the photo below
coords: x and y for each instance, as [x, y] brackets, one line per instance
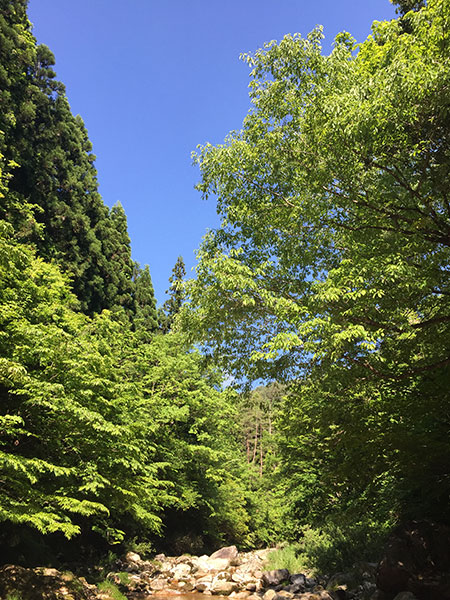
[415, 566]
[239, 576]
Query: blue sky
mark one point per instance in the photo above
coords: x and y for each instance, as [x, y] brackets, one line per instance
[152, 79]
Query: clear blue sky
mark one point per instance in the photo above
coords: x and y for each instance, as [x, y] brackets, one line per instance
[152, 79]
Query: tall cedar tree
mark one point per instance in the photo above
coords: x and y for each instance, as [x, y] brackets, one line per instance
[172, 305]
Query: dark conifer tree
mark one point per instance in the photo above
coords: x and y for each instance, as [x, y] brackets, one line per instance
[54, 173]
[145, 320]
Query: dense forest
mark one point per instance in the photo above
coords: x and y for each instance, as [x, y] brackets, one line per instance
[327, 284]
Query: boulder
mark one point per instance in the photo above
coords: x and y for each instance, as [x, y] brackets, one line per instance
[405, 596]
[203, 584]
[185, 586]
[181, 571]
[220, 587]
[132, 557]
[275, 577]
[417, 560]
[228, 552]
[218, 564]
[298, 578]
[158, 584]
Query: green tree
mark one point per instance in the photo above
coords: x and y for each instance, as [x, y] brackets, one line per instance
[172, 305]
[331, 266]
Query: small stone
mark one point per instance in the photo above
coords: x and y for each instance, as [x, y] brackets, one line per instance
[269, 595]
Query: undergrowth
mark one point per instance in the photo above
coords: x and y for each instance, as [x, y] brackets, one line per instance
[111, 589]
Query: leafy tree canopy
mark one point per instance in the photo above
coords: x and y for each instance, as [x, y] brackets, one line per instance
[335, 240]
[330, 267]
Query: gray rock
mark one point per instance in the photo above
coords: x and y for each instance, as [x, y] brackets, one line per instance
[310, 582]
[275, 577]
[405, 596]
